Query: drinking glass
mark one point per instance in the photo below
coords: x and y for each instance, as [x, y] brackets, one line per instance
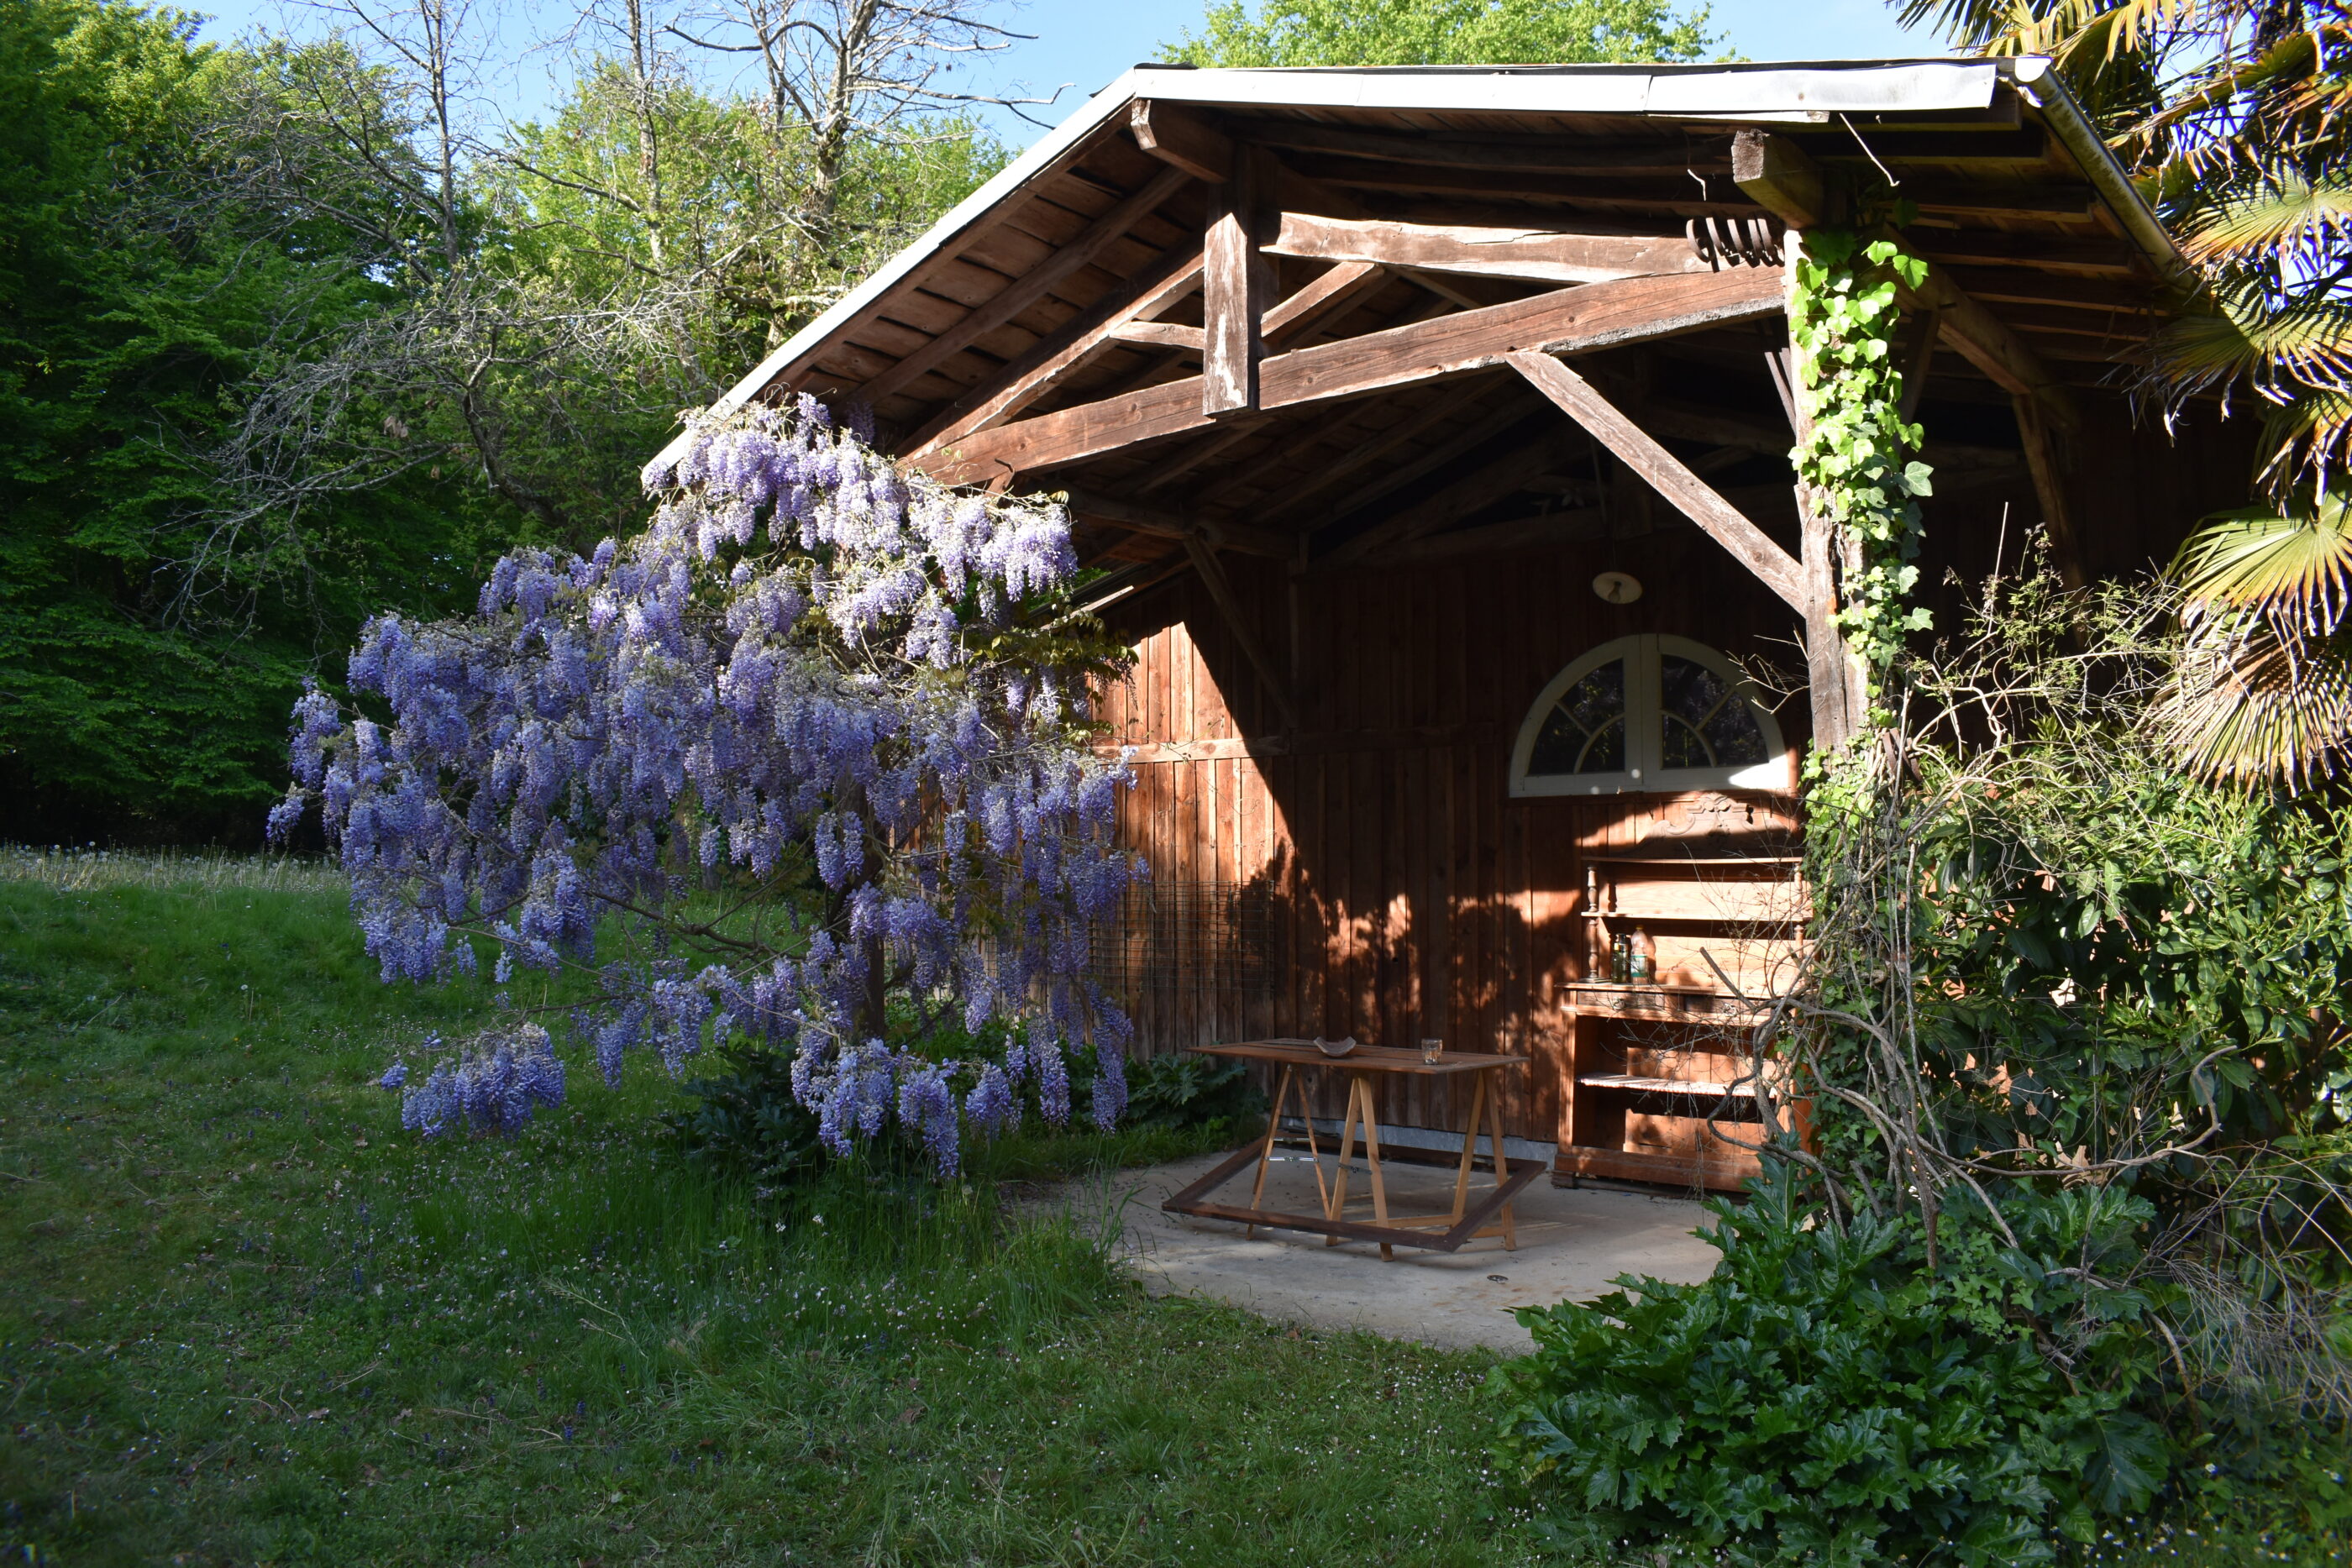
[1431, 1049]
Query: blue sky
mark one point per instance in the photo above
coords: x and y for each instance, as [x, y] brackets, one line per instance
[1086, 43]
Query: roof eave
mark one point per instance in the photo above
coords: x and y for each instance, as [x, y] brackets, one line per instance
[1751, 91]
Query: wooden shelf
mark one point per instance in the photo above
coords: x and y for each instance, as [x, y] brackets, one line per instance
[1657, 1003]
[1641, 1101]
[1722, 1169]
[1691, 1086]
[1699, 861]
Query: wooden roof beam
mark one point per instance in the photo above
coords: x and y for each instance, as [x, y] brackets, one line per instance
[1689, 494]
[1181, 139]
[1505, 476]
[1328, 295]
[1533, 154]
[1026, 289]
[1167, 278]
[1533, 255]
[1409, 466]
[1321, 476]
[1785, 181]
[1316, 302]
[1568, 321]
[1540, 531]
[1166, 523]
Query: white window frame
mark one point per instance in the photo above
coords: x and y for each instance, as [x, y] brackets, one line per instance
[1644, 727]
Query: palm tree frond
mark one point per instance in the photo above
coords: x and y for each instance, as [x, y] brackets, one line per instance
[2252, 705]
[2308, 434]
[2062, 29]
[2295, 56]
[2290, 213]
[2123, 28]
[2295, 570]
[2309, 339]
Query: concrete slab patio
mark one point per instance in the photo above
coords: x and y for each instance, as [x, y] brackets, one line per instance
[1571, 1242]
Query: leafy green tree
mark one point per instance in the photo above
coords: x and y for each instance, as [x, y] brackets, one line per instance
[134, 299]
[1443, 33]
[280, 350]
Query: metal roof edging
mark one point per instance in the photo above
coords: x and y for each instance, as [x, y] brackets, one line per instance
[1863, 87]
[2037, 77]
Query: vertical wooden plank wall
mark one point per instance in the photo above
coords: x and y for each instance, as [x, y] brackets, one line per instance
[1413, 897]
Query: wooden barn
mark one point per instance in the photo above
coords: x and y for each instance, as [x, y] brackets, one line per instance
[1433, 425]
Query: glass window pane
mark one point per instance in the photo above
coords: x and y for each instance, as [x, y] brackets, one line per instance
[1586, 731]
[1705, 725]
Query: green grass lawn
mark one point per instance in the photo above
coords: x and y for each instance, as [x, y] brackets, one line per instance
[245, 1319]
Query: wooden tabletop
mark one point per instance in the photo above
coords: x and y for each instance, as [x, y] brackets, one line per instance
[1363, 1059]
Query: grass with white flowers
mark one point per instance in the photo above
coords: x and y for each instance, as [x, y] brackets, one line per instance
[245, 1320]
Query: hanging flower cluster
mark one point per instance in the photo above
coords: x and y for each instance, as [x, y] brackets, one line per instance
[493, 1087]
[813, 741]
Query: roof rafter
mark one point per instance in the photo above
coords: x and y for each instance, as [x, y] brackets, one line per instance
[1028, 288]
[1568, 321]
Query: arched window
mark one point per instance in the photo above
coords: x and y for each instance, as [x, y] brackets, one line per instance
[1645, 713]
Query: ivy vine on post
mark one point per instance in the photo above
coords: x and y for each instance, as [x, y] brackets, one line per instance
[1853, 457]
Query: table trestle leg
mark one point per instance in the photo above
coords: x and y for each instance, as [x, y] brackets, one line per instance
[1502, 1167]
[1469, 1147]
[1335, 1202]
[1372, 1159]
[1265, 1155]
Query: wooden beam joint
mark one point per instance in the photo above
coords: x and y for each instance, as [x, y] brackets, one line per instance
[1236, 288]
[1689, 494]
[1183, 140]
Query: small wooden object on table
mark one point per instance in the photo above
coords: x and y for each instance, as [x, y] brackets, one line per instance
[1362, 1065]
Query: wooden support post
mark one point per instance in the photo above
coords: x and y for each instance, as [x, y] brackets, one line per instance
[2050, 490]
[1221, 589]
[1690, 494]
[1833, 676]
[1835, 680]
[1914, 355]
[1235, 284]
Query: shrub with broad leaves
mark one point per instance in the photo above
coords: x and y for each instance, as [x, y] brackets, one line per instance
[1829, 1397]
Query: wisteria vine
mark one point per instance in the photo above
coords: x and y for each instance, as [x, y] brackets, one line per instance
[815, 740]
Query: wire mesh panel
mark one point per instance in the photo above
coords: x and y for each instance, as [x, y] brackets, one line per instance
[1187, 958]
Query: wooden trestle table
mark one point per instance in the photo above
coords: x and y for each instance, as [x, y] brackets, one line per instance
[1361, 1066]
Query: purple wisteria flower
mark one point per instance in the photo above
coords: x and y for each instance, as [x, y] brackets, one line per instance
[787, 702]
[493, 1086]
